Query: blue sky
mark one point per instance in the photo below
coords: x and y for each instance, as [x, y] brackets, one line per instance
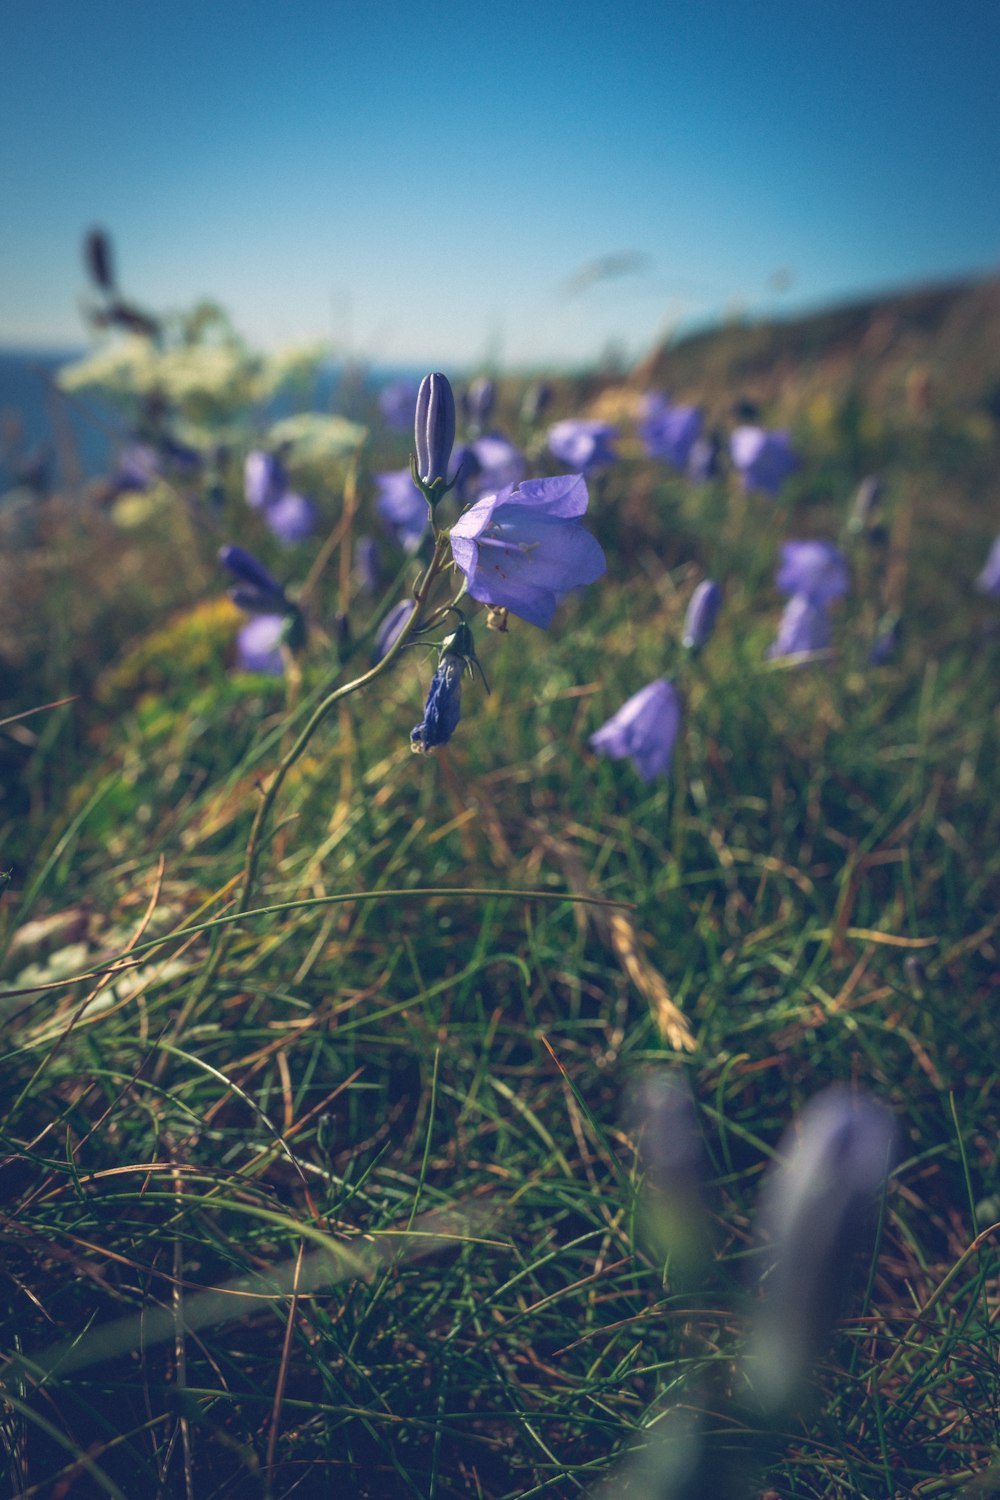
[421, 184]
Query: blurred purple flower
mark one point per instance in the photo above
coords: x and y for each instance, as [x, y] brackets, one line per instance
[402, 507]
[522, 548]
[397, 402]
[443, 708]
[487, 465]
[258, 645]
[804, 628]
[988, 581]
[259, 592]
[479, 400]
[138, 467]
[702, 613]
[818, 1211]
[818, 569]
[264, 479]
[583, 445]
[388, 632]
[669, 432]
[764, 459]
[644, 729]
[292, 518]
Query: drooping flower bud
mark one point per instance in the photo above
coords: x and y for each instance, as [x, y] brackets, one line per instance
[434, 429]
[702, 613]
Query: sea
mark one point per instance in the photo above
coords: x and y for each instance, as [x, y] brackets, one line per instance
[75, 438]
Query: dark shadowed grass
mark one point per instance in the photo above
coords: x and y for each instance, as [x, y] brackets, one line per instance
[361, 1218]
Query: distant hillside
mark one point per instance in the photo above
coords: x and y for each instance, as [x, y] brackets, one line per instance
[938, 345]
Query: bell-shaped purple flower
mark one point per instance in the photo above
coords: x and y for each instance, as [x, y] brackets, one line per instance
[443, 708]
[643, 730]
[764, 459]
[702, 613]
[292, 518]
[988, 581]
[434, 429]
[402, 507]
[397, 402]
[521, 549]
[669, 432]
[258, 645]
[818, 1214]
[818, 569]
[804, 627]
[583, 445]
[264, 479]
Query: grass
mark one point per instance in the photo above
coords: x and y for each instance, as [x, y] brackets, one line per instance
[362, 1217]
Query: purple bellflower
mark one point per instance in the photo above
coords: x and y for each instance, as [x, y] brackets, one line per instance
[804, 628]
[585, 446]
[818, 569]
[644, 730]
[669, 432]
[292, 518]
[764, 459]
[264, 479]
[520, 549]
[988, 581]
[818, 1213]
[402, 507]
[479, 401]
[434, 429]
[258, 645]
[702, 613]
[397, 402]
[487, 465]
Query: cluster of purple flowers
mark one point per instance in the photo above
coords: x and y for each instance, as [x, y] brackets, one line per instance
[290, 516]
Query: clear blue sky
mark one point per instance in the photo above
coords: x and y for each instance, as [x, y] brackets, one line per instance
[419, 183]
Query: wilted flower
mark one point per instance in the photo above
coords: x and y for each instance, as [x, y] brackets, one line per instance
[702, 613]
[644, 730]
[292, 518]
[434, 429]
[804, 627]
[818, 569]
[522, 548]
[764, 459]
[264, 479]
[259, 592]
[988, 581]
[258, 645]
[443, 708]
[669, 432]
[818, 1211]
[583, 445]
[402, 507]
[388, 632]
[397, 402]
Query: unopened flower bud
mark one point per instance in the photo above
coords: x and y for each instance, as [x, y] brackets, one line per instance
[702, 613]
[434, 429]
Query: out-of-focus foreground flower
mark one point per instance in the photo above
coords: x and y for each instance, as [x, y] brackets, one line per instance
[522, 548]
[644, 730]
[818, 1214]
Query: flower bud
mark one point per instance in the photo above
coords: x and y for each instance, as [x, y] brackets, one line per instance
[702, 613]
[434, 429]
